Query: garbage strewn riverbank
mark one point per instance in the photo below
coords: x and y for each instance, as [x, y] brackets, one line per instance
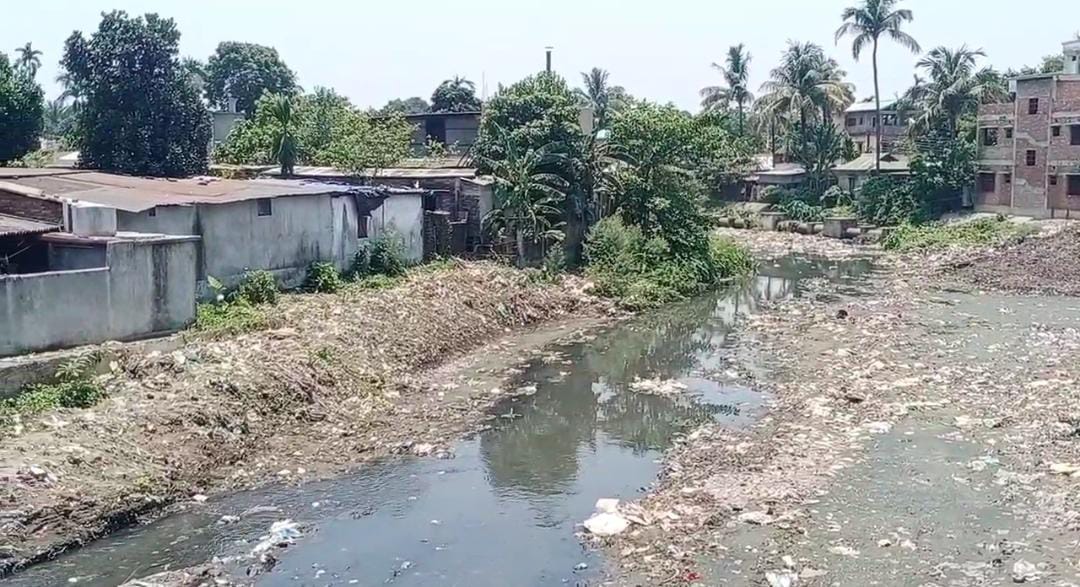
[887, 406]
[340, 381]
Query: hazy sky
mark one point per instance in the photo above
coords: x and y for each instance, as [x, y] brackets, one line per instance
[372, 51]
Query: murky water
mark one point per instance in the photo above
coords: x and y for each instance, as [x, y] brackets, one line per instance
[504, 511]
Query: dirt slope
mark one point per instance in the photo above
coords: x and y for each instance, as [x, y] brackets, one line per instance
[339, 381]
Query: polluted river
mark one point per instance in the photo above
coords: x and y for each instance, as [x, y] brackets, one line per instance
[507, 505]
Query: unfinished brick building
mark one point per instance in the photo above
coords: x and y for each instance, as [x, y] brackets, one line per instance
[1029, 149]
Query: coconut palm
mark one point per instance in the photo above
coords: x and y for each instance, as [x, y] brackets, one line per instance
[284, 146]
[954, 86]
[455, 95]
[602, 97]
[29, 59]
[866, 24]
[736, 74]
[528, 194]
[807, 84]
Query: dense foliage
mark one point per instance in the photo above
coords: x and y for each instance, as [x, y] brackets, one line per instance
[455, 95]
[21, 112]
[139, 114]
[642, 271]
[983, 231]
[244, 72]
[322, 128]
[817, 147]
[413, 105]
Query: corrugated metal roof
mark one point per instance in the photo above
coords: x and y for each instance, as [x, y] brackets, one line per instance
[135, 194]
[393, 173]
[890, 163]
[16, 226]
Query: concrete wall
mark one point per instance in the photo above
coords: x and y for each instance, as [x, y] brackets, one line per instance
[148, 287]
[300, 230]
[69, 257]
[402, 215]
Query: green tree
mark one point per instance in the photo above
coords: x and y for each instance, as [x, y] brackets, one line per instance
[455, 95]
[866, 24]
[807, 86]
[364, 145]
[528, 195]
[195, 71]
[736, 74]
[537, 112]
[818, 147]
[658, 189]
[599, 95]
[21, 112]
[244, 72]
[953, 88]
[414, 105]
[283, 133]
[60, 118]
[140, 115]
[29, 59]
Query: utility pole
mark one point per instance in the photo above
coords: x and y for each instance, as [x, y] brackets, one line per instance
[548, 50]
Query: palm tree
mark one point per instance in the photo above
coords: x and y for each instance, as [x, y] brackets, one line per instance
[527, 193]
[867, 23]
[597, 94]
[736, 73]
[805, 85]
[29, 59]
[954, 86]
[284, 146]
[455, 95]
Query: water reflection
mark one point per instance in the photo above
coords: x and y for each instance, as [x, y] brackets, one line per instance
[507, 506]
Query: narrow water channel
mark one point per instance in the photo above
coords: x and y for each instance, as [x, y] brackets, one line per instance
[504, 511]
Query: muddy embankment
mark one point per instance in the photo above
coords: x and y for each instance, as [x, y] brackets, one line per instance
[342, 379]
[922, 430]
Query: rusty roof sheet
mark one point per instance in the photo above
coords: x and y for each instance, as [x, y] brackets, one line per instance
[16, 226]
[135, 194]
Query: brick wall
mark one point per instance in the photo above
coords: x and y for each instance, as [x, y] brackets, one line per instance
[27, 207]
[1002, 191]
[1032, 134]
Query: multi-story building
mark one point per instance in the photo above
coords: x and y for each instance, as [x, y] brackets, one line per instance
[1029, 149]
[860, 123]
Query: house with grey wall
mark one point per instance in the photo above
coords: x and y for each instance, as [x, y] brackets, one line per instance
[120, 257]
[281, 226]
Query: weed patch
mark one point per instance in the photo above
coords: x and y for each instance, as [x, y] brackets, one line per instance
[982, 232]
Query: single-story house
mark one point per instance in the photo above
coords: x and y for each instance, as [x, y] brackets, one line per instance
[453, 189]
[851, 175]
[277, 225]
[768, 173]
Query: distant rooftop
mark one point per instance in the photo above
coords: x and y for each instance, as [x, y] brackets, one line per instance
[16, 226]
[890, 163]
[869, 106]
[135, 194]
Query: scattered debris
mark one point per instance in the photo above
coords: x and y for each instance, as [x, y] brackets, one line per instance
[665, 387]
[1024, 571]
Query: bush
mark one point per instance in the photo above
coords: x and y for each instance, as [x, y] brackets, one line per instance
[75, 387]
[797, 209]
[228, 318]
[887, 201]
[729, 258]
[985, 231]
[361, 262]
[257, 287]
[322, 277]
[642, 272]
[387, 257]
